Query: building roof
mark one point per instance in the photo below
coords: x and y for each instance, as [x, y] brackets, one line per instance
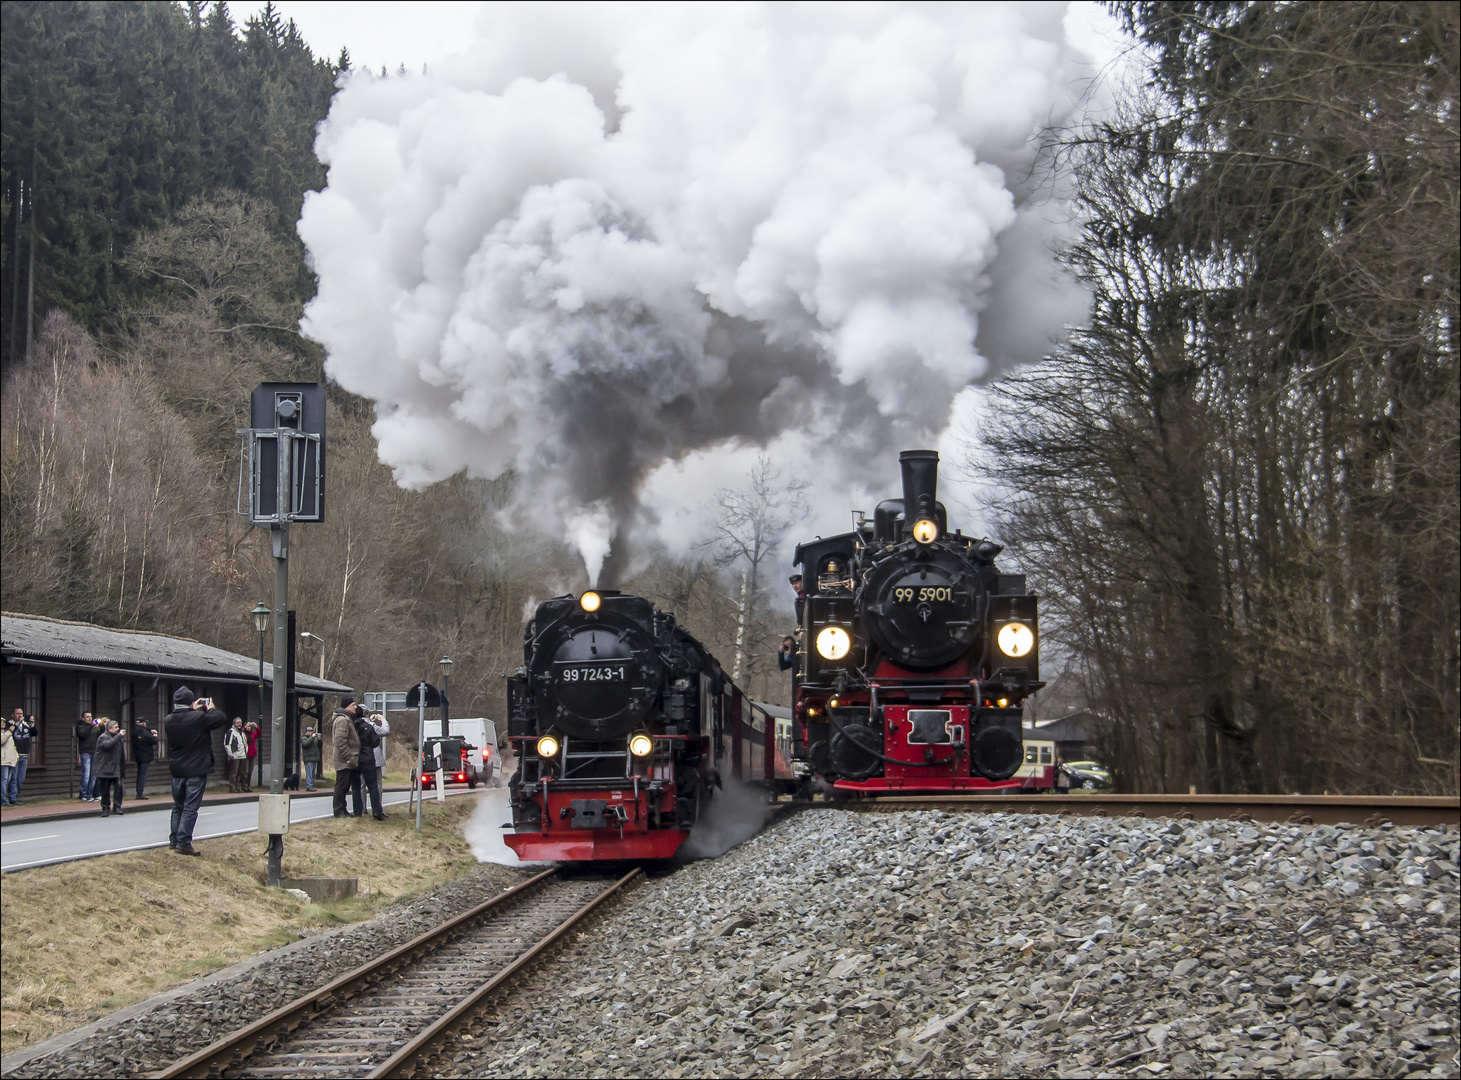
[56, 642]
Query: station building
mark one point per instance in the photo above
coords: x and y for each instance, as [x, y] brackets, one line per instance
[57, 670]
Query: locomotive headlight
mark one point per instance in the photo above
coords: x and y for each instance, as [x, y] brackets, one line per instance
[590, 601]
[1016, 639]
[833, 643]
[925, 531]
[641, 745]
[547, 747]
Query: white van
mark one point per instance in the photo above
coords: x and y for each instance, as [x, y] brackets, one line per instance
[482, 750]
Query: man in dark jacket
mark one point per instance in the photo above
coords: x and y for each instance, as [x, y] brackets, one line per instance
[107, 767]
[144, 750]
[189, 731]
[346, 746]
[86, 735]
[367, 775]
[309, 753]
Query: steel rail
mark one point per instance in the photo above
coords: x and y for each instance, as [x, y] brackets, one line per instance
[1407, 810]
[405, 1061]
[281, 1022]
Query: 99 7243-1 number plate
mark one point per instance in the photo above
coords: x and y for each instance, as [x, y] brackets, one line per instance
[594, 673]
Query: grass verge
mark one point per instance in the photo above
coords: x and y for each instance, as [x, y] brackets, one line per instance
[80, 939]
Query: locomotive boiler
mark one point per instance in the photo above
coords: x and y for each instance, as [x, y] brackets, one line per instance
[617, 716]
[916, 654]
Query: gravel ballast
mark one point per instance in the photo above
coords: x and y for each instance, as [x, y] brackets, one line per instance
[893, 944]
[889, 944]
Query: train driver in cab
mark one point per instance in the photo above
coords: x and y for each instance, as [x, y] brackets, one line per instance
[801, 600]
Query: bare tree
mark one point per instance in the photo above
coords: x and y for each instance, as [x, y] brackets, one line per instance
[750, 524]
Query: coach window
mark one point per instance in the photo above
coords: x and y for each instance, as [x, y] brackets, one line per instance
[1032, 755]
[35, 705]
[1047, 756]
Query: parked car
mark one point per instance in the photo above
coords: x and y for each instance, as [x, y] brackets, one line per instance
[1089, 775]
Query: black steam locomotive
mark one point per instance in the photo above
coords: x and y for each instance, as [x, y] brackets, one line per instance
[917, 654]
[619, 717]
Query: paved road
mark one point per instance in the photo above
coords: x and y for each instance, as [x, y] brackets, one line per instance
[45, 842]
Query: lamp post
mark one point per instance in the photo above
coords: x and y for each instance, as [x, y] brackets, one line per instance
[316, 637]
[445, 664]
[261, 627]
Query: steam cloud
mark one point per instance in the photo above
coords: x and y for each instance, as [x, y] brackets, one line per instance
[605, 238]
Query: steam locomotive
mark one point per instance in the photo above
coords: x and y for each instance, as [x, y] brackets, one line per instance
[916, 653]
[621, 720]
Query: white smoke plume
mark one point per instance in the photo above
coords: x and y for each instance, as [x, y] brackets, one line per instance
[606, 238]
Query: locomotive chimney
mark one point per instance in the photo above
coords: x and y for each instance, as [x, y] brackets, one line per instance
[920, 484]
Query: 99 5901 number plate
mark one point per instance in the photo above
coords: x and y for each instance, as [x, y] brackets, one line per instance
[594, 673]
[923, 594]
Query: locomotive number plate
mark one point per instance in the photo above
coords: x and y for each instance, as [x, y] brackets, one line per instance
[923, 594]
[594, 673]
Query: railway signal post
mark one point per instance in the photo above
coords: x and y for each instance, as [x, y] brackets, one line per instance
[284, 453]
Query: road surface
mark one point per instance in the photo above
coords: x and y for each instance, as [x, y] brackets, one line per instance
[24, 845]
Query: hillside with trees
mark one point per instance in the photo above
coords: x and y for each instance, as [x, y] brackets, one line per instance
[155, 157]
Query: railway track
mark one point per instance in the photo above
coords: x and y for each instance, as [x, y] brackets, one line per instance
[1423, 810]
[387, 1017]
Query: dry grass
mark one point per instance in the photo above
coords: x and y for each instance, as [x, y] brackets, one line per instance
[80, 939]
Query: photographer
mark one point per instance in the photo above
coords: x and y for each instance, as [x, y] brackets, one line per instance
[189, 731]
[86, 733]
[7, 761]
[252, 731]
[345, 742]
[367, 773]
[108, 771]
[236, 746]
[310, 752]
[22, 728]
[144, 750]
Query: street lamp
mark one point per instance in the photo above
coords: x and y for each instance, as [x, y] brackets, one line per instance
[445, 664]
[261, 627]
[316, 637]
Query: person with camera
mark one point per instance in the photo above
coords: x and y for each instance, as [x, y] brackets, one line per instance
[22, 729]
[144, 750]
[252, 731]
[7, 760]
[86, 733]
[367, 773]
[310, 752]
[189, 732]
[345, 742]
[108, 766]
[236, 746]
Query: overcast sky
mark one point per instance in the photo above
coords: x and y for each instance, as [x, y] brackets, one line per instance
[390, 33]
